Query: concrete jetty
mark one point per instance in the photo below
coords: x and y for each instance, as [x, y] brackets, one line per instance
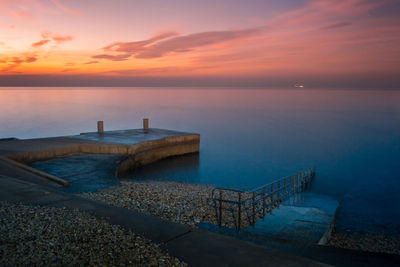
[139, 146]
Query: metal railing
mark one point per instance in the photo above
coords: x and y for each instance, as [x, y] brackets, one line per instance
[240, 208]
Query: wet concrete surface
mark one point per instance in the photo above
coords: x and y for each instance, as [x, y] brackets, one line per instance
[307, 219]
[85, 172]
[128, 137]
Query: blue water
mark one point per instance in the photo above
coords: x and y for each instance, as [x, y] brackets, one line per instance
[248, 137]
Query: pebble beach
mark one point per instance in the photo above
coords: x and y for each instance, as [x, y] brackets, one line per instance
[46, 236]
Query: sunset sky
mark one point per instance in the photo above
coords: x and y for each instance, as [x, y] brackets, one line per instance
[181, 42]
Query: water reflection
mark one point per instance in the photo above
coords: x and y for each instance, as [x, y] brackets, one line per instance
[180, 168]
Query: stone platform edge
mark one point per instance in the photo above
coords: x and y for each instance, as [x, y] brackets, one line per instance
[138, 155]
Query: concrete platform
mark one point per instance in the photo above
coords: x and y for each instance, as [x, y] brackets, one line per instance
[129, 137]
[139, 147]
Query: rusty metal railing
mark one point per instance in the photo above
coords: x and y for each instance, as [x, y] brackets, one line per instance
[240, 208]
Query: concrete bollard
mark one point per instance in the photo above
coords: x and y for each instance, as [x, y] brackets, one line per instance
[100, 127]
[145, 124]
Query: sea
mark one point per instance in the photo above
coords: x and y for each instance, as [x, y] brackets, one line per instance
[249, 137]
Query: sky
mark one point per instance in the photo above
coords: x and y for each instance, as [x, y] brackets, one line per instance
[319, 43]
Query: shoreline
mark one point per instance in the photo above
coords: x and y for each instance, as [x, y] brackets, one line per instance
[187, 204]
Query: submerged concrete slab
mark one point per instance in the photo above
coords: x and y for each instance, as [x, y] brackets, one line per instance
[308, 220]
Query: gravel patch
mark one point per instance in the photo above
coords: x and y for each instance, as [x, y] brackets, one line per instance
[367, 242]
[178, 202]
[47, 236]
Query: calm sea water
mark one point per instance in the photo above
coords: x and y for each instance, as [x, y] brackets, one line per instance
[248, 137]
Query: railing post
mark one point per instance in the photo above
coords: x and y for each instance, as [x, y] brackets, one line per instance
[284, 186]
[263, 201]
[298, 182]
[254, 208]
[294, 186]
[220, 209]
[279, 190]
[290, 187]
[239, 209]
[272, 194]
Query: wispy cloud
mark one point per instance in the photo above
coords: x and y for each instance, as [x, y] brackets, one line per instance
[91, 62]
[335, 25]
[16, 61]
[21, 14]
[170, 42]
[56, 37]
[122, 57]
[69, 69]
[66, 9]
[132, 47]
[40, 43]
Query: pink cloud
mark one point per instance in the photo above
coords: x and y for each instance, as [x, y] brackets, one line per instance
[132, 47]
[66, 9]
[21, 14]
[55, 37]
[163, 44]
[335, 25]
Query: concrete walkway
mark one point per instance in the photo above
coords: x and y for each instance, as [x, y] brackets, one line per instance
[196, 247]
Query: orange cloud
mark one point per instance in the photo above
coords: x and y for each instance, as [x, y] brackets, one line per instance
[91, 62]
[122, 57]
[16, 61]
[40, 43]
[69, 70]
[55, 37]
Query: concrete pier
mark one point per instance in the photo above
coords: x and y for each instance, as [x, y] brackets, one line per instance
[140, 146]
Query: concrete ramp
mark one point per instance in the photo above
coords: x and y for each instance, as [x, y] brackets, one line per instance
[309, 220]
